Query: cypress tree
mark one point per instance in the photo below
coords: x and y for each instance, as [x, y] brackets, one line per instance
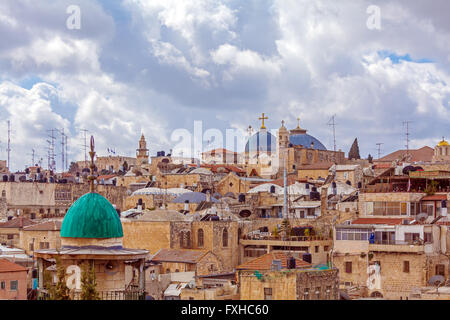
[354, 151]
[88, 283]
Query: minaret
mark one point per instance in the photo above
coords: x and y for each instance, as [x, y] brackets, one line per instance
[142, 152]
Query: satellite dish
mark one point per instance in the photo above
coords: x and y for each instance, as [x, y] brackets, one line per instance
[422, 217]
[436, 281]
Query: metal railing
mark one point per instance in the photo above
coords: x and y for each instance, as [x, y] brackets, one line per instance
[268, 236]
[104, 295]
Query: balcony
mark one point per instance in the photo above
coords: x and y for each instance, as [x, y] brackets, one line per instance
[132, 294]
[397, 246]
[265, 238]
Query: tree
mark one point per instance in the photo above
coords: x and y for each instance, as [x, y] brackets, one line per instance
[60, 291]
[370, 158]
[73, 168]
[125, 166]
[354, 151]
[88, 283]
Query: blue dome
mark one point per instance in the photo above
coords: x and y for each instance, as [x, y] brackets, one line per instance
[306, 140]
[262, 141]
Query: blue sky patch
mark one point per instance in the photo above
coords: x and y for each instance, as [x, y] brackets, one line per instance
[395, 58]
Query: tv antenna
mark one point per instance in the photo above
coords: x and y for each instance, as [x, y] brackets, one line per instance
[379, 144]
[85, 146]
[407, 134]
[333, 124]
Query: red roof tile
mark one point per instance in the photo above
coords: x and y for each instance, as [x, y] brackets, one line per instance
[179, 255]
[422, 154]
[435, 197]
[17, 223]
[7, 266]
[265, 262]
[388, 221]
[46, 226]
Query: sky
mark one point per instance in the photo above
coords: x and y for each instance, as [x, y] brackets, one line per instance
[152, 67]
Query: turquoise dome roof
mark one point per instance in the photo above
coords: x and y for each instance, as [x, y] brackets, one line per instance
[91, 216]
[262, 141]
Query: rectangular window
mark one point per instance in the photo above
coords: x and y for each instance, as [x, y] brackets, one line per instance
[326, 248]
[406, 266]
[10, 236]
[2, 285]
[267, 293]
[428, 237]
[317, 293]
[31, 246]
[14, 284]
[316, 248]
[44, 245]
[348, 267]
[306, 294]
[440, 270]
[411, 237]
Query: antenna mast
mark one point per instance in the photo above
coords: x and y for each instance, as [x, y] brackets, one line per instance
[407, 134]
[85, 147]
[379, 144]
[333, 124]
[9, 145]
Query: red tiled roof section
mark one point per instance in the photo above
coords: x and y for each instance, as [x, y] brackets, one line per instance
[179, 255]
[435, 197]
[46, 226]
[7, 266]
[215, 167]
[388, 221]
[423, 154]
[17, 223]
[265, 262]
[291, 179]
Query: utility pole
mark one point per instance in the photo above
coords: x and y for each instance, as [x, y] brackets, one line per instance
[333, 124]
[379, 144]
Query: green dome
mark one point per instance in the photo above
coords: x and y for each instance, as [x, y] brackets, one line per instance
[91, 216]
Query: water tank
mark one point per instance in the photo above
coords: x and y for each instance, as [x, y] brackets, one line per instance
[272, 189]
[307, 257]
[291, 263]
[242, 197]
[163, 153]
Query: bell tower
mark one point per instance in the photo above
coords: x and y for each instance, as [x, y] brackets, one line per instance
[142, 152]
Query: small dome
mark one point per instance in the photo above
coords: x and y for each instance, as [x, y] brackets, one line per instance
[443, 143]
[262, 141]
[91, 216]
[306, 140]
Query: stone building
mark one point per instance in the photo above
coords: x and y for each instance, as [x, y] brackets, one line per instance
[273, 277]
[43, 235]
[13, 281]
[201, 262]
[11, 229]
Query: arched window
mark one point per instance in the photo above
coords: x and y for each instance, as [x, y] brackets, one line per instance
[181, 239]
[200, 237]
[225, 238]
[187, 239]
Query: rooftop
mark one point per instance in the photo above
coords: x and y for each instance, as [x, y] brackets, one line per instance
[7, 266]
[386, 221]
[265, 262]
[179, 255]
[45, 226]
[17, 223]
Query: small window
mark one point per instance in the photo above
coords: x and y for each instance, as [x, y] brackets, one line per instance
[316, 248]
[317, 293]
[267, 293]
[348, 267]
[2, 285]
[406, 266]
[440, 270]
[14, 284]
[10, 236]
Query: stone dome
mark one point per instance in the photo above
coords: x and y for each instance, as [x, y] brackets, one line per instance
[91, 216]
[262, 141]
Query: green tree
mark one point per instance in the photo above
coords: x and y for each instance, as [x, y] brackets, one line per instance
[354, 151]
[59, 291]
[88, 283]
